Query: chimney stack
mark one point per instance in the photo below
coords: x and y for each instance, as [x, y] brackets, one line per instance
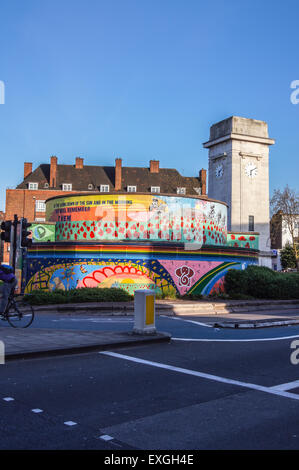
[79, 163]
[203, 181]
[117, 184]
[27, 169]
[53, 172]
[154, 166]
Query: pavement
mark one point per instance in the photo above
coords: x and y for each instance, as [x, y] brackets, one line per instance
[36, 342]
[39, 342]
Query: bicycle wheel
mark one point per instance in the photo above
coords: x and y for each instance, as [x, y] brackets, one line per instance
[20, 314]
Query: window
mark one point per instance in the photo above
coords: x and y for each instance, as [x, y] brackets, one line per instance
[90, 186]
[181, 190]
[32, 185]
[155, 189]
[66, 187]
[40, 219]
[40, 206]
[104, 188]
[131, 189]
[251, 223]
[46, 185]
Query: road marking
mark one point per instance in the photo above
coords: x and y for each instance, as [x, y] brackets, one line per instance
[37, 410]
[235, 340]
[8, 399]
[106, 437]
[70, 423]
[95, 320]
[203, 375]
[286, 386]
[189, 321]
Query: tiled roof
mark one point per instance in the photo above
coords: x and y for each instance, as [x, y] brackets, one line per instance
[167, 179]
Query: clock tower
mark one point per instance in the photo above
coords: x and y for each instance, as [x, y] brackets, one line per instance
[239, 175]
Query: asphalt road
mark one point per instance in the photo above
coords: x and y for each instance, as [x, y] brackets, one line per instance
[183, 328]
[207, 390]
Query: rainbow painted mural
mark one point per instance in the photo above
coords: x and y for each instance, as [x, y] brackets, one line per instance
[132, 267]
[160, 242]
[138, 217]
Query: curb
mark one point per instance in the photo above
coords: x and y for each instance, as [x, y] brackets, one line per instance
[172, 308]
[155, 338]
[269, 324]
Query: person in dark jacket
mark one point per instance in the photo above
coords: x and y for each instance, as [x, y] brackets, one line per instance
[9, 283]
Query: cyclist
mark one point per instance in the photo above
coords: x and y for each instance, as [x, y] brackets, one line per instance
[9, 283]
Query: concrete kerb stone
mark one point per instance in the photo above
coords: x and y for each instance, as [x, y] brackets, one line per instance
[260, 308]
[255, 324]
[69, 342]
[173, 307]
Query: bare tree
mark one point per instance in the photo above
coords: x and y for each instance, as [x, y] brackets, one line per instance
[285, 207]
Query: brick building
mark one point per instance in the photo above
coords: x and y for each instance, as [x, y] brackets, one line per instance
[284, 231]
[53, 179]
[2, 217]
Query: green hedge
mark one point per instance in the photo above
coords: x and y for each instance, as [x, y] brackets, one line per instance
[262, 283]
[86, 294]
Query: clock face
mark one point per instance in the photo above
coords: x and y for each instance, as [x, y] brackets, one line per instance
[251, 170]
[219, 171]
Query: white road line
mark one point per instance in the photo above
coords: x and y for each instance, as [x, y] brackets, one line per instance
[235, 340]
[189, 321]
[106, 437]
[70, 423]
[112, 321]
[93, 320]
[286, 386]
[37, 410]
[8, 399]
[203, 375]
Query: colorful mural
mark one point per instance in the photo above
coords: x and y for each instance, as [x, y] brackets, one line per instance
[174, 245]
[43, 232]
[243, 240]
[138, 217]
[126, 274]
[178, 272]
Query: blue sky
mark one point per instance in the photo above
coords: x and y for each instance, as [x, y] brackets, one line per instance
[144, 79]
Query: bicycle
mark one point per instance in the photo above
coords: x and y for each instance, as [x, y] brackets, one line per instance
[18, 313]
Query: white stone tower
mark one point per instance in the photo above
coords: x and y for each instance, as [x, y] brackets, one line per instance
[239, 175]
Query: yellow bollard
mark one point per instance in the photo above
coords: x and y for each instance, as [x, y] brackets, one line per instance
[144, 312]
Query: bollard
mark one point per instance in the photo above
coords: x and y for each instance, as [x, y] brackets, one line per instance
[144, 312]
